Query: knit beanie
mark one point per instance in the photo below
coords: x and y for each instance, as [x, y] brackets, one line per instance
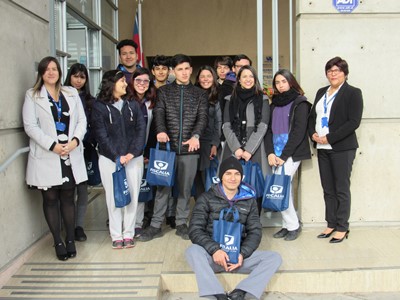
[230, 163]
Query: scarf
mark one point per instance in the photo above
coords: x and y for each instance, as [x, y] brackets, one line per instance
[283, 99]
[237, 111]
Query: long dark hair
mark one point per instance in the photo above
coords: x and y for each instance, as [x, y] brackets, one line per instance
[42, 68]
[234, 103]
[212, 91]
[79, 70]
[257, 86]
[107, 85]
[150, 94]
[290, 79]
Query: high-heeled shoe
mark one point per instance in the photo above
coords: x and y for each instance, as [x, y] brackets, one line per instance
[71, 250]
[335, 240]
[325, 235]
[61, 252]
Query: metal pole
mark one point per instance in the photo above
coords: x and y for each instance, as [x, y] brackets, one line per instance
[275, 37]
[260, 52]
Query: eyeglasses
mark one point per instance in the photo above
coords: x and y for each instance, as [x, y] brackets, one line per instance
[142, 81]
[333, 71]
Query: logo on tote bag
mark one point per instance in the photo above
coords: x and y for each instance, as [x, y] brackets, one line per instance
[144, 187]
[126, 190]
[276, 189]
[229, 243]
[275, 192]
[160, 165]
[159, 168]
[229, 240]
[215, 179]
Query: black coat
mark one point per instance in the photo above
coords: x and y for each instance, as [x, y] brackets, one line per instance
[118, 133]
[344, 118]
[297, 146]
[180, 111]
[207, 209]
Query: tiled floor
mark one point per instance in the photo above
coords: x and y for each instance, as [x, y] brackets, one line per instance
[368, 261]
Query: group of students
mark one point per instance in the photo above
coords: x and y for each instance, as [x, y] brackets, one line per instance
[225, 114]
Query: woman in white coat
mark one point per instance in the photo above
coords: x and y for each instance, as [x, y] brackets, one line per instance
[55, 122]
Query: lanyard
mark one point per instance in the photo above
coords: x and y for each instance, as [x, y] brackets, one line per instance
[327, 103]
[58, 106]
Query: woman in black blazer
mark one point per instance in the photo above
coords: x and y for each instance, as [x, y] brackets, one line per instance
[334, 117]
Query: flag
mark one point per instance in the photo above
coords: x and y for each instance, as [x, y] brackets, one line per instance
[138, 40]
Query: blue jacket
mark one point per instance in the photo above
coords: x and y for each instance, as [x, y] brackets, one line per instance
[118, 133]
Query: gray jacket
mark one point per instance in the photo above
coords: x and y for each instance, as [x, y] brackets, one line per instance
[255, 140]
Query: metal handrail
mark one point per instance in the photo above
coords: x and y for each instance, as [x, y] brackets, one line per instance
[4, 166]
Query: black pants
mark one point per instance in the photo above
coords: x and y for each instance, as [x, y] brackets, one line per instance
[335, 171]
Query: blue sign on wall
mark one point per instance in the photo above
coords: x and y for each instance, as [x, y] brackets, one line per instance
[345, 6]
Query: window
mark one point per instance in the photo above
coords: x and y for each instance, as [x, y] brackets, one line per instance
[86, 32]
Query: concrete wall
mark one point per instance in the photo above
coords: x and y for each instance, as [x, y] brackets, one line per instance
[24, 34]
[366, 39]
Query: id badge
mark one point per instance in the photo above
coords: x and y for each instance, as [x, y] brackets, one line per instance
[324, 122]
[60, 126]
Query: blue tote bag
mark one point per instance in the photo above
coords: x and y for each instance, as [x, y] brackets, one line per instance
[228, 233]
[277, 191]
[160, 170]
[92, 164]
[122, 196]
[211, 174]
[252, 175]
[146, 190]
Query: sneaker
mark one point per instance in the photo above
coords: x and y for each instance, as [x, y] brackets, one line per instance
[150, 233]
[118, 244]
[281, 233]
[182, 231]
[171, 222]
[129, 243]
[80, 235]
[138, 232]
[237, 294]
[293, 234]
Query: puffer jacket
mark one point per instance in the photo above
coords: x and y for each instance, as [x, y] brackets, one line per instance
[207, 209]
[180, 111]
[118, 132]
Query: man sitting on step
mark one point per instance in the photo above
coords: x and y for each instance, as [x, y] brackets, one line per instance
[206, 256]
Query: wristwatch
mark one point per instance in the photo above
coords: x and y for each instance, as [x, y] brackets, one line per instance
[196, 136]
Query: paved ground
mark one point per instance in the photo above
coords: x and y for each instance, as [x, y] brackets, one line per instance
[294, 296]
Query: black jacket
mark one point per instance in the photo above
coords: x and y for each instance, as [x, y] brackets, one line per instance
[118, 133]
[344, 119]
[181, 111]
[207, 209]
[297, 146]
